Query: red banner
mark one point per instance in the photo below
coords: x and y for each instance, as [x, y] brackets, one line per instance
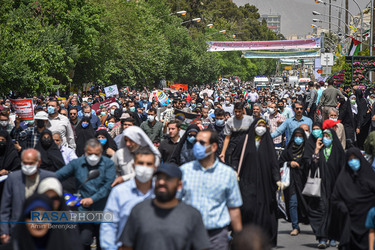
[24, 108]
[180, 86]
[96, 107]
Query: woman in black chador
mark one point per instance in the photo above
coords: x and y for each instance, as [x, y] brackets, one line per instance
[258, 174]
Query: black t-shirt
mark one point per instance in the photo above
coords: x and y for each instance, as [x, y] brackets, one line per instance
[150, 227]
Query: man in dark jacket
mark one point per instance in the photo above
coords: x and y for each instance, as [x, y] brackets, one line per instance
[20, 185]
[168, 145]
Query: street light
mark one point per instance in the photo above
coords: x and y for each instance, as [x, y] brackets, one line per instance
[317, 14]
[198, 19]
[181, 12]
[221, 31]
[338, 6]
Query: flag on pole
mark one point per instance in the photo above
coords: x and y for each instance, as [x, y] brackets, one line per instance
[245, 95]
[352, 27]
[354, 47]
[366, 33]
[338, 51]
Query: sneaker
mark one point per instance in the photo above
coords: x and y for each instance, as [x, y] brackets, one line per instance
[322, 244]
[332, 243]
[295, 232]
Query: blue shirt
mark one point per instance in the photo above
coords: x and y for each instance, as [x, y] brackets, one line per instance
[121, 201]
[290, 125]
[212, 191]
[320, 92]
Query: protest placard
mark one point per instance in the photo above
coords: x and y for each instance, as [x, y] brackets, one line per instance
[185, 118]
[24, 108]
[111, 91]
[97, 106]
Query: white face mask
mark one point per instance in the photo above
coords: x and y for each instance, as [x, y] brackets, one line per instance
[143, 173]
[151, 118]
[260, 131]
[227, 102]
[4, 123]
[92, 160]
[307, 134]
[29, 169]
[333, 119]
[272, 111]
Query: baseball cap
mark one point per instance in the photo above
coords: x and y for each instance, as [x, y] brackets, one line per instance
[41, 115]
[170, 169]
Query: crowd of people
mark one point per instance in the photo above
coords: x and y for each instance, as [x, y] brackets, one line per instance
[205, 183]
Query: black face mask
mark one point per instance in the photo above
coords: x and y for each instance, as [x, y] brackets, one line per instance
[40, 124]
[3, 145]
[46, 142]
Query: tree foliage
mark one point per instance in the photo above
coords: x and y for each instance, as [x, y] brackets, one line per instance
[47, 45]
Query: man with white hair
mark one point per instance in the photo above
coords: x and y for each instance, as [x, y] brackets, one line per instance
[20, 185]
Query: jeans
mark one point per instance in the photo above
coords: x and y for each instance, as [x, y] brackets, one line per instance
[293, 211]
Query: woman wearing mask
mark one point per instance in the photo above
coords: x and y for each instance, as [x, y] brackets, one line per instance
[35, 236]
[259, 176]
[295, 202]
[183, 153]
[103, 115]
[328, 158]
[357, 115]
[353, 196]
[84, 132]
[110, 123]
[132, 138]
[364, 117]
[9, 159]
[316, 133]
[52, 159]
[109, 145]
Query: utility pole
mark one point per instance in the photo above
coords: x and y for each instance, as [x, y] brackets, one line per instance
[330, 14]
[346, 16]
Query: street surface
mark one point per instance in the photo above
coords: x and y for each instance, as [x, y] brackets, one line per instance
[305, 240]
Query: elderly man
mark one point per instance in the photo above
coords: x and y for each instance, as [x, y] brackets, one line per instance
[60, 123]
[20, 185]
[94, 119]
[95, 192]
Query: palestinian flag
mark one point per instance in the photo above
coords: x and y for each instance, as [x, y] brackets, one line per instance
[366, 33]
[354, 47]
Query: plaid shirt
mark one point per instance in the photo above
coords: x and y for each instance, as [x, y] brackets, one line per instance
[272, 120]
[28, 137]
[212, 191]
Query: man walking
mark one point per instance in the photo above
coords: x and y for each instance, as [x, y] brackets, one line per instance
[329, 99]
[212, 188]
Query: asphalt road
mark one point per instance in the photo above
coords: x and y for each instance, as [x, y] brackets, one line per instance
[305, 240]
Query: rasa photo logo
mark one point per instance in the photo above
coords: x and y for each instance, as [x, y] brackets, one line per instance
[71, 217]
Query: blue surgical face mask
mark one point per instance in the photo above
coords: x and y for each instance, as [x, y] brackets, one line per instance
[354, 164]
[89, 103]
[219, 123]
[191, 139]
[298, 140]
[132, 109]
[103, 113]
[110, 125]
[327, 142]
[84, 124]
[51, 110]
[199, 151]
[103, 141]
[317, 133]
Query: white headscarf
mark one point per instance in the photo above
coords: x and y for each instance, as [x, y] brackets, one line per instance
[353, 106]
[137, 135]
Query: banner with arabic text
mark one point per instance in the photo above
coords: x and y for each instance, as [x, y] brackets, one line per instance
[24, 108]
[278, 55]
[217, 46]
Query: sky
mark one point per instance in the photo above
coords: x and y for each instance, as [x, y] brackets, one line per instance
[296, 15]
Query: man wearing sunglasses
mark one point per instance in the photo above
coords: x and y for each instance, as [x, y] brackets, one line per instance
[292, 123]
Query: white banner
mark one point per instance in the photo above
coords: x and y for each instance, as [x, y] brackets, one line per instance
[111, 91]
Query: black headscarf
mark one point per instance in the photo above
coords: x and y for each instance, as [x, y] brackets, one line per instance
[297, 175]
[83, 135]
[52, 158]
[311, 143]
[184, 147]
[258, 176]
[55, 239]
[352, 198]
[9, 158]
[110, 142]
